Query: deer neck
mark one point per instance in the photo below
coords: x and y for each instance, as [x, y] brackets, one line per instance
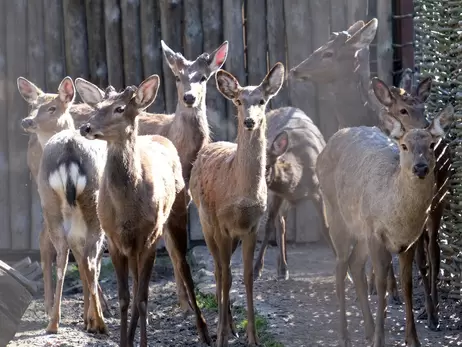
[65, 122]
[123, 165]
[250, 161]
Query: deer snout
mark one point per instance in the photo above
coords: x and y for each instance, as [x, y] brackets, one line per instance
[189, 99]
[421, 170]
[249, 123]
[85, 129]
[28, 123]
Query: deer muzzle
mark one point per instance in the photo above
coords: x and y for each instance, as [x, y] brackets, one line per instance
[28, 124]
[421, 170]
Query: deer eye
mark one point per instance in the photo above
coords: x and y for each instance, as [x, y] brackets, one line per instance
[262, 102]
[432, 145]
[177, 78]
[327, 54]
[52, 109]
[119, 109]
[404, 147]
[238, 102]
[203, 79]
[403, 111]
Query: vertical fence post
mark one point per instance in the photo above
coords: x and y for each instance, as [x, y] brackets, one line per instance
[113, 36]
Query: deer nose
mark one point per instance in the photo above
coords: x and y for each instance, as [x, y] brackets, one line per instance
[189, 99]
[249, 123]
[421, 170]
[27, 123]
[85, 129]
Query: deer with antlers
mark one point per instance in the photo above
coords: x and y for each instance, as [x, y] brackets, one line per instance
[229, 189]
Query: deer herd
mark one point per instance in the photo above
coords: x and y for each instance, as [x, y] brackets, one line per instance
[108, 171]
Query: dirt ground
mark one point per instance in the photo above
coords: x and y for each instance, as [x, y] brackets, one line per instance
[300, 312]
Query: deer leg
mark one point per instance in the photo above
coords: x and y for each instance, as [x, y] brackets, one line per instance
[381, 261]
[421, 260]
[61, 268]
[177, 236]
[435, 261]
[273, 212]
[372, 290]
[319, 205]
[47, 253]
[102, 298]
[283, 273]
[357, 262]
[120, 263]
[133, 264]
[226, 281]
[145, 266]
[86, 293]
[248, 249]
[90, 264]
[405, 264]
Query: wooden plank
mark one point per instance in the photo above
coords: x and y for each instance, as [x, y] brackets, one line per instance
[275, 27]
[338, 15]
[233, 32]
[256, 42]
[20, 195]
[114, 50]
[171, 16]
[54, 44]
[298, 30]
[131, 42]
[5, 234]
[36, 73]
[75, 34]
[357, 10]
[213, 37]
[193, 37]
[384, 42]
[96, 43]
[372, 13]
[151, 51]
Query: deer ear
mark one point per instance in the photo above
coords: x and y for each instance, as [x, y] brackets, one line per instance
[364, 36]
[393, 126]
[170, 55]
[218, 57]
[89, 92]
[66, 90]
[273, 81]
[407, 80]
[382, 92]
[227, 84]
[442, 121]
[424, 88]
[29, 91]
[280, 144]
[353, 29]
[147, 92]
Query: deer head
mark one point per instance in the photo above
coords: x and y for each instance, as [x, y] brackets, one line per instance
[416, 146]
[48, 114]
[276, 167]
[408, 108]
[192, 76]
[251, 101]
[115, 114]
[338, 57]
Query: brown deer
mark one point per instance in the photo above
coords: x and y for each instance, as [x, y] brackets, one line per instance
[396, 183]
[68, 184]
[187, 128]
[43, 121]
[294, 142]
[428, 242]
[229, 189]
[142, 179]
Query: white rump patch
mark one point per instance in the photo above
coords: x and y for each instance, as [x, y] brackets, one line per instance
[58, 179]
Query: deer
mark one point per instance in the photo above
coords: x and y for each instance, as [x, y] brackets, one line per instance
[43, 121]
[229, 189]
[187, 129]
[294, 142]
[428, 242]
[397, 182]
[142, 183]
[67, 181]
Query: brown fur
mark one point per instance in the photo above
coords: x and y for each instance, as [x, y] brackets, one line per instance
[70, 221]
[229, 189]
[388, 217]
[141, 182]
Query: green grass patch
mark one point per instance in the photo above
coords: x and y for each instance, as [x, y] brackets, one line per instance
[206, 301]
[261, 324]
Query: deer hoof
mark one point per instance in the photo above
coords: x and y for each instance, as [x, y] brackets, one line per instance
[422, 315]
[52, 328]
[433, 323]
[283, 275]
[257, 272]
[345, 343]
[394, 300]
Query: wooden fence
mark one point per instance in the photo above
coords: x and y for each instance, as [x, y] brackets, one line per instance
[118, 43]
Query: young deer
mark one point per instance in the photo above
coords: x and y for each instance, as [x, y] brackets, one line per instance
[44, 120]
[294, 143]
[188, 130]
[142, 179]
[428, 242]
[68, 184]
[229, 189]
[397, 187]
